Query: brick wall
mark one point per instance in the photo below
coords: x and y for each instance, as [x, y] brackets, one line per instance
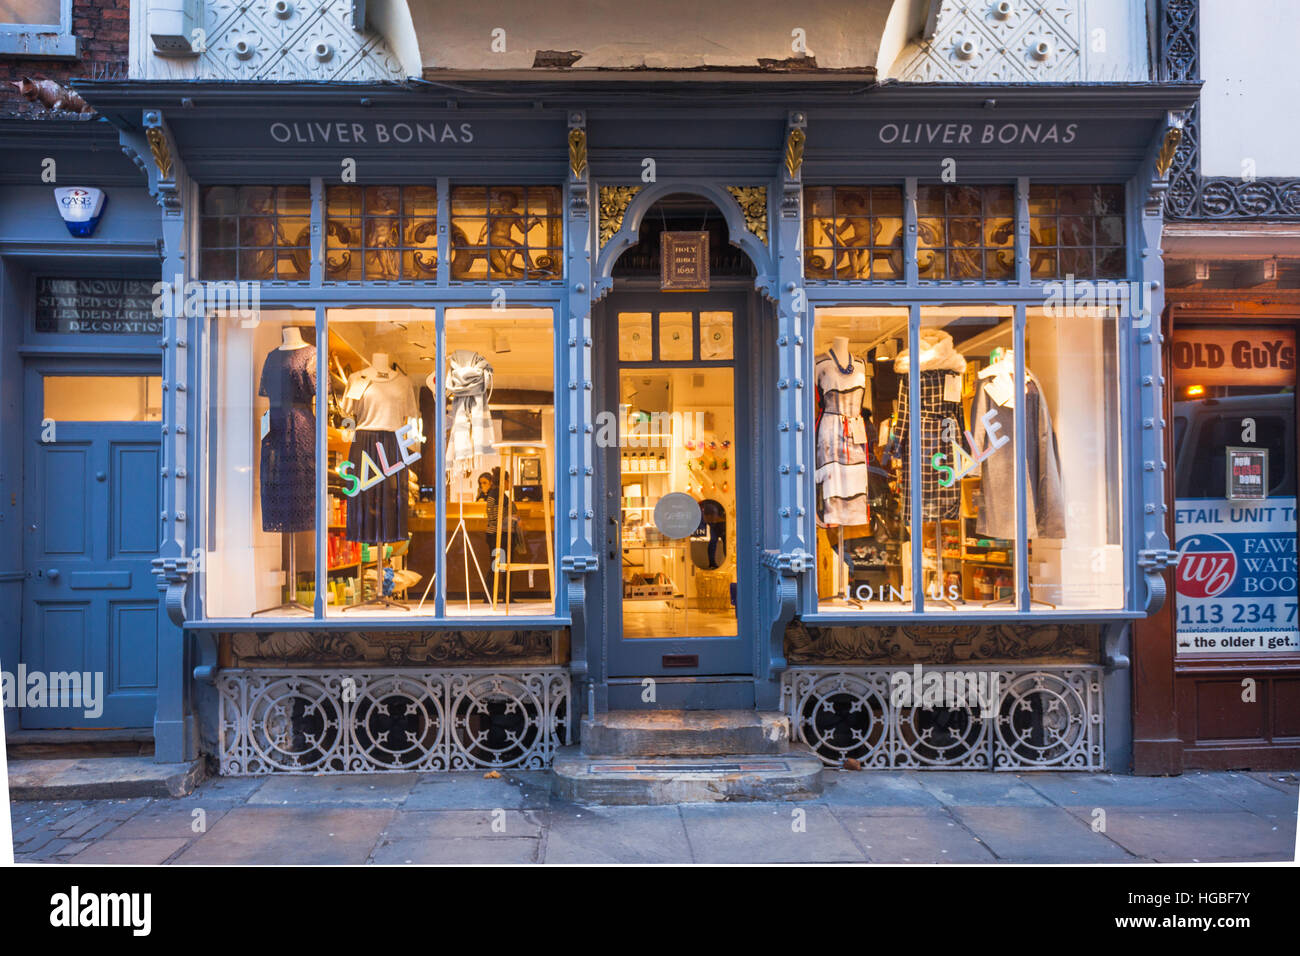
[103, 28]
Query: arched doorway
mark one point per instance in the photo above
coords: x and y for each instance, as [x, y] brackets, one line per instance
[674, 415]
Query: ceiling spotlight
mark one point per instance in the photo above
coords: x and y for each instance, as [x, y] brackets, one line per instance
[500, 343]
[887, 350]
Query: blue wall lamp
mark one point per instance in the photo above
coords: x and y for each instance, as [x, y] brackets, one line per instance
[80, 207]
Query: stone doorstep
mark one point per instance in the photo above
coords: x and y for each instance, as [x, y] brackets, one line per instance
[681, 733]
[78, 744]
[658, 781]
[101, 778]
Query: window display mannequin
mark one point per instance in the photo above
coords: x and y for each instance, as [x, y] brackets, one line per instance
[941, 368]
[469, 386]
[380, 400]
[287, 464]
[469, 435]
[841, 474]
[1045, 511]
[288, 456]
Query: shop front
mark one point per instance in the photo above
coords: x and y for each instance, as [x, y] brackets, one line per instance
[1224, 651]
[82, 646]
[484, 416]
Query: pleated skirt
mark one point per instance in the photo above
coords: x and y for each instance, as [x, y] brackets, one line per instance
[378, 513]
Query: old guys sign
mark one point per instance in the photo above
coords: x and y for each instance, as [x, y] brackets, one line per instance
[1225, 356]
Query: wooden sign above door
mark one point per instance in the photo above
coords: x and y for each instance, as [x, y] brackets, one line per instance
[1243, 355]
[684, 261]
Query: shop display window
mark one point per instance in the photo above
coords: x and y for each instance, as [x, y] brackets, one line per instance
[853, 232]
[255, 232]
[1072, 384]
[261, 470]
[506, 232]
[971, 460]
[860, 524]
[500, 476]
[381, 233]
[376, 476]
[1076, 230]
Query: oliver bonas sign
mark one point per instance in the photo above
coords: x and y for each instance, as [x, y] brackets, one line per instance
[371, 132]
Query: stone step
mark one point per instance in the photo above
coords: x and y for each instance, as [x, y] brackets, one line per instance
[658, 781]
[102, 778]
[685, 733]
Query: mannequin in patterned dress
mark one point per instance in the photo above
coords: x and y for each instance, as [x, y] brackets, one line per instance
[841, 460]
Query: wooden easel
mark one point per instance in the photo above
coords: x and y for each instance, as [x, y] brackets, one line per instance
[463, 532]
[511, 454]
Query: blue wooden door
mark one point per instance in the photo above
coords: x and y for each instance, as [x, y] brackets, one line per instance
[91, 527]
[678, 601]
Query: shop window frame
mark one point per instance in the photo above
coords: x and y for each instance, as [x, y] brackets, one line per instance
[1023, 246]
[42, 40]
[361, 290]
[1021, 293]
[439, 617]
[320, 296]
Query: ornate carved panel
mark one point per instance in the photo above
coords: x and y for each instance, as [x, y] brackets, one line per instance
[994, 43]
[297, 40]
[1065, 641]
[391, 648]
[614, 201]
[753, 203]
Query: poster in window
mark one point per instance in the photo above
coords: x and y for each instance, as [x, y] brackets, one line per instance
[1247, 478]
[1235, 579]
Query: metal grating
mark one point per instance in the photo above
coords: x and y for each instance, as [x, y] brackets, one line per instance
[1043, 719]
[363, 721]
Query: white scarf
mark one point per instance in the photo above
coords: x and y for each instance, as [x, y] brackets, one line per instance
[937, 352]
[469, 384]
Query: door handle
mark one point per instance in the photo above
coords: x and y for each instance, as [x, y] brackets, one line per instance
[52, 574]
[101, 476]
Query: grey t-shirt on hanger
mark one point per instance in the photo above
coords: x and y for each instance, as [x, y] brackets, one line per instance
[379, 403]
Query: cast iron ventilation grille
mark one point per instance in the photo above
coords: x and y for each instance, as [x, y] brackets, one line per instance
[344, 721]
[1038, 719]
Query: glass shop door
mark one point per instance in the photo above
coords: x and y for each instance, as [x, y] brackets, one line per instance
[677, 472]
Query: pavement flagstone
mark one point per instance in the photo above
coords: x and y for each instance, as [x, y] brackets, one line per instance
[878, 816]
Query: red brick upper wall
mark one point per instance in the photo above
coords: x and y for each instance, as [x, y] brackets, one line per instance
[102, 28]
